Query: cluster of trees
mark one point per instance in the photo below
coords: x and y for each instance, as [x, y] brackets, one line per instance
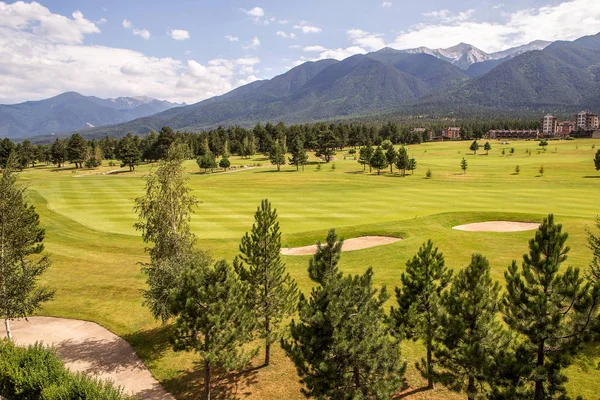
[384, 156]
[343, 343]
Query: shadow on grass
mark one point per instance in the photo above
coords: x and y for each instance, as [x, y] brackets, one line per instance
[592, 177]
[151, 344]
[274, 171]
[411, 392]
[224, 385]
[356, 172]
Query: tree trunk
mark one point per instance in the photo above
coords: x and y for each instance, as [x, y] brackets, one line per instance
[356, 377]
[391, 168]
[278, 167]
[539, 384]
[429, 366]
[378, 171]
[8, 331]
[471, 389]
[206, 380]
[267, 354]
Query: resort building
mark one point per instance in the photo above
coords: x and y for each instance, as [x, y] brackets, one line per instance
[549, 125]
[451, 133]
[586, 120]
[564, 128]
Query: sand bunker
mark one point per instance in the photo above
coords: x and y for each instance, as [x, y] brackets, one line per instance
[498, 226]
[87, 347]
[359, 243]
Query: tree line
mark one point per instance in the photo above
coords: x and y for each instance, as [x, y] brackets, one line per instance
[342, 340]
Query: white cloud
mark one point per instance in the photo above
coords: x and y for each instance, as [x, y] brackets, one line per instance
[285, 35]
[102, 21]
[232, 38]
[38, 60]
[497, 6]
[247, 80]
[386, 4]
[315, 48]
[324, 53]
[369, 41]
[253, 44]
[305, 28]
[283, 21]
[126, 24]
[256, 12]
[179, 34]
[565, 21]
[144, 33]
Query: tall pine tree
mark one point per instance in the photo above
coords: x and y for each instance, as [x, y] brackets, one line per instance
[418, 300]
[277, 154]
[273, 291]
[324, 262]
[299, 155]
[551, 310]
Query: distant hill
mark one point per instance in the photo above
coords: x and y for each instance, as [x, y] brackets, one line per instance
[71, 111]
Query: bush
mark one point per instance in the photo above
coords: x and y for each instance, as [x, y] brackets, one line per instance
[36, 372]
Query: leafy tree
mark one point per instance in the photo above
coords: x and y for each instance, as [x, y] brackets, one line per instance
[94, 157]
[543, 144]
[418, 299]
[277, 155]
[402, 160]
[597, 160]
[224, 163]
[164, 219]
[463, 165]
[379, 161]
[391, 154]
[212, 315]
[58, 152]
[428, 173]
[550, 310]
[541, 170]
[487, 147]
[412, 165]
[326, 258]
[470, 336]
[128, 152]
[273, 292]
[474, 147]
[517, 170]
[77, 150]
[299, 155]
[207, 161]
[387, 145]
[364, 156]
[20, 248]
[225, 153]
[6, 147]
[341, 345]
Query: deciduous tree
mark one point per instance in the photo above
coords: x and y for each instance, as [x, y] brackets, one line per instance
[463, 165]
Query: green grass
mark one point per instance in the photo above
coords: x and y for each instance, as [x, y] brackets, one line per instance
[89, 220]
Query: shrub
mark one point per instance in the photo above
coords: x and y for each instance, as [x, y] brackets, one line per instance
[428, 174]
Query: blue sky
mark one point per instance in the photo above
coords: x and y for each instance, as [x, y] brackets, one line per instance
[185, 50]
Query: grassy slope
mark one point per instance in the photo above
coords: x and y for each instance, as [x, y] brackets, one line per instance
[96, 250]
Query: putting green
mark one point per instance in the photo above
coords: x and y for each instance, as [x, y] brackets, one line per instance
[95, 249]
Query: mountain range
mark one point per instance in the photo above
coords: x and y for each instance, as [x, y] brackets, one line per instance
[561, 78]
[71, 111]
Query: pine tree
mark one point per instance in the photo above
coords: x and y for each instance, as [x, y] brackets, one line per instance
[128, 152]
[6, 147]
[207, 161]
[412, 165]
[474, 147]
[273, 291]
[164, 219]
[551, 310]
[21, 263]
[378, 161]
[299, 155]
[58, 152]
[470, 337]
[402, 160]
[324, 262]
[594, 245]
[365, 154]
[95, 156]
[418, 300]
[224, 163]
[77, 150]
[212, 315]
[487, 147]
[597, 160]
[463, 165]
[341, 345]
[277, 155]
[391, 154]
[225, 153]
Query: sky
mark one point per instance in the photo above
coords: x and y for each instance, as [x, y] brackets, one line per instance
[191, 50]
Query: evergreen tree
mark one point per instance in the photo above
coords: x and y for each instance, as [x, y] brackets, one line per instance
[364, 156]
[277, 155]
[26, 154]
[273, 291]
[326, 258]
[224, 163]
[6, 147]
[412, 165]
[212, 315]
[418, 300]
[487, 147]
[165, 138]
[391, 154]
[95, 156]
[21, 263]
[379, 161]
[474, 147]
[225, 153]
[299, 155]
[470, 337]
[594, 245]
[463, 165]
[341, 345]
[402, 160]
[551, 310]
[164, 219]
[597, 160]
[207, 161]
[128, 152]
[58, 152]
[77, 150]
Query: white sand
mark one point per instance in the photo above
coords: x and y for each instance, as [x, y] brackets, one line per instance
[87, 347]
[359, 243]
[498, 226]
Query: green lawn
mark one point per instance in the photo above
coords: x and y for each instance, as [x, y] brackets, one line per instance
[89, 221]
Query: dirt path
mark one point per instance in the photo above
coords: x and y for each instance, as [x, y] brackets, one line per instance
[498, 226]
[359, 243]
[88, 347]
